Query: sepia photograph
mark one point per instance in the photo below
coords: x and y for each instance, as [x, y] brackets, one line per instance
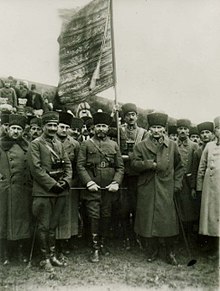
[109, 145]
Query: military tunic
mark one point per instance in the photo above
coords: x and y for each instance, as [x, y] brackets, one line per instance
[102, 168]
[47, 205]
[186, 203]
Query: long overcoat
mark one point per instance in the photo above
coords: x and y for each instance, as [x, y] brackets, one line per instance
[208, 181]
[15, 190]
[156, 214]
[68, 224]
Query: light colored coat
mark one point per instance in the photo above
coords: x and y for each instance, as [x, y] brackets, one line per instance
[156, 214]
[208, 181]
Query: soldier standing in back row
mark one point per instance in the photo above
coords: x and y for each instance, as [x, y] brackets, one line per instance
[185, 200]
[52, 173]
[99, 166]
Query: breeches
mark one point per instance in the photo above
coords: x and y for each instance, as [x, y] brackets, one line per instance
[47, 211]
[98, 204]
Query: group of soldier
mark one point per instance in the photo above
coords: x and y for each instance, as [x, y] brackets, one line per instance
[53, 179]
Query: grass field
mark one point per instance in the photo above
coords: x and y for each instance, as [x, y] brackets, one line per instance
[122, 270]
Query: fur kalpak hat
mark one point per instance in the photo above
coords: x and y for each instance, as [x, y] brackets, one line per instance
[50, 116]
[172, 129]
[4, 118]
[102, 118]
[183, 123]
[36, 121]
[65, 118]
[128, 107]
[77, 123]
[15, 119]
[193, 130]
[208, 125]
[157, 118]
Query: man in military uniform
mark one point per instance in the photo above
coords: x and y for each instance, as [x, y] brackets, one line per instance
[4, 124]
[15, 189]
[205, 130]
[75, 129]
[185, 200]
[52, 173]
[194, 134]
[131, 134]
[68, 225]
[158, 163]
[100, 168]
[35, 127]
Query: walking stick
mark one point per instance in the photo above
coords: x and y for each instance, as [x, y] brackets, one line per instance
[84, 188]
[32, 246]
[191, 261]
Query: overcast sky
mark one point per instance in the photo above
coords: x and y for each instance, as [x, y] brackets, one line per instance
[167, 51]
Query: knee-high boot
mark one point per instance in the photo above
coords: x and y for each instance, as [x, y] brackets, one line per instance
[52, 249]
[95, 240]
[45, 256]
[105, 224]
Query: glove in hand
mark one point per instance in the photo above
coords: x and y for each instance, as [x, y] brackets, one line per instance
[57, 188]
[113, 187]
[92, 186]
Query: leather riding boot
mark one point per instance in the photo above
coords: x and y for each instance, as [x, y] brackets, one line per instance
[52, 249]
[103, 249]
[95, 248]
[45, 257]
[153, 245]
[105, 225]
[94, 223]
[170, 255]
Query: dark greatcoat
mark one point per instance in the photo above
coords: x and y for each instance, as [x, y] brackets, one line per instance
[156, 215]
[15, 190]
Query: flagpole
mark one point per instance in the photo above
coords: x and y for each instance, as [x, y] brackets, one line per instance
[114, 72]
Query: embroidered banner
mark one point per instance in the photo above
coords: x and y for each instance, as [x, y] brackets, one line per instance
[86, 53]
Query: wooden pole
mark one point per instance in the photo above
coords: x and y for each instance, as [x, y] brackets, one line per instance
[114, 71]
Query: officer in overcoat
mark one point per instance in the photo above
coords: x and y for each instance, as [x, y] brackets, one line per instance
[52, 173]
[208, 182]
[160, 169]
[100, 168]
[15, 188]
